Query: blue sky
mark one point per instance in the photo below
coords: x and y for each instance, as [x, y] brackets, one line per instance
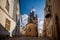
[38, 5]
[27, 5]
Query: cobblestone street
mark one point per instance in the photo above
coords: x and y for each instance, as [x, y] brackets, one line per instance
[28, 38]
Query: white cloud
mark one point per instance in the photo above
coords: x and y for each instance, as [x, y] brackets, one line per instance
[40, 24]
[25, 16]
[33, 10]
[24, 19]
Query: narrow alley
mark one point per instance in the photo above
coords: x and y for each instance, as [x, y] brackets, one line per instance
[29, 19]
[29, 38]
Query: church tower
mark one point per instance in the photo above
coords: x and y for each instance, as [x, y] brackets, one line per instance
[31, 27]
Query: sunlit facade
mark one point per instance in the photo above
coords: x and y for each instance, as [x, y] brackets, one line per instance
[8, 12]
[52, 18]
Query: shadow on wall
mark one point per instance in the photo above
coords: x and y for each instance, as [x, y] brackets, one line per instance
[3, 32]
[16, 32]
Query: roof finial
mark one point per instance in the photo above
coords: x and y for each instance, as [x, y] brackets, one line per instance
[33, 9]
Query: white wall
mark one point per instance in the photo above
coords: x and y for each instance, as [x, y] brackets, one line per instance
[5, 15]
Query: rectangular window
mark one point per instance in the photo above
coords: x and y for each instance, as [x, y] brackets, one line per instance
[7, 25]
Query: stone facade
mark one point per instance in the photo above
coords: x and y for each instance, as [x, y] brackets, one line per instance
[32, 25]
[44, 28]
[31, 30]
[52, 16]
[8, 12]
